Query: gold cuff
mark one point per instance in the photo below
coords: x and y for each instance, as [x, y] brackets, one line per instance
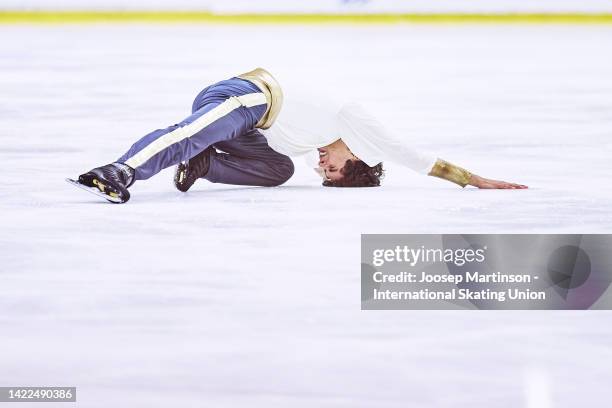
[450, 172]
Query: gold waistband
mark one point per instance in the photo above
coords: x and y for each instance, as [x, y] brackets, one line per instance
[271, 89]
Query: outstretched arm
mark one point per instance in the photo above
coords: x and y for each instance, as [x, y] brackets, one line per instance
[369, 140]
[461, 176]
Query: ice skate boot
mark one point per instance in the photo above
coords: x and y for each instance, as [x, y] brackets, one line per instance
[110, 182]
[189, 171]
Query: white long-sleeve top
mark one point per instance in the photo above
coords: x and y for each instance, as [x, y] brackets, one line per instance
[302, 127]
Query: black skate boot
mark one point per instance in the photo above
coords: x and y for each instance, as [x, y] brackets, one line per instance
[111, 180]
[189, 171]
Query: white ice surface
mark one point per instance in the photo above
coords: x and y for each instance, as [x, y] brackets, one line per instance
[249, 297]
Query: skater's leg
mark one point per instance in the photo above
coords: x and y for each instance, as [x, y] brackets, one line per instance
[214, 122]
[249, 160]
[221, 112]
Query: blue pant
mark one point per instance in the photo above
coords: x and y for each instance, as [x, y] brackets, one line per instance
[224, 115]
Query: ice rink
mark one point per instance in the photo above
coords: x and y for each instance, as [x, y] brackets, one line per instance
[249, 297]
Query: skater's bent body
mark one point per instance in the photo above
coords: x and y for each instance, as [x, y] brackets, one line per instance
[242, 132]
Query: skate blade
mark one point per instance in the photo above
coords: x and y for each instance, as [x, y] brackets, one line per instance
[96, 190]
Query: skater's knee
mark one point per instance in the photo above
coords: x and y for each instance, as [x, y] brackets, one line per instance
[284, 170]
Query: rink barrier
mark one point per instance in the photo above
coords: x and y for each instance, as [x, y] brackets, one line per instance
[78, 17]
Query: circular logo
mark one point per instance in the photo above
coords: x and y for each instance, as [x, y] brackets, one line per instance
[569, 267]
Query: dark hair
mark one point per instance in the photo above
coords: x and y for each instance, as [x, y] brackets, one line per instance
[358, 174]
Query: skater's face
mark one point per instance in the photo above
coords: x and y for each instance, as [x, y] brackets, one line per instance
[332, 159]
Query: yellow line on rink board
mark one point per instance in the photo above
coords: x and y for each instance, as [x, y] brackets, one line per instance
[79, 17]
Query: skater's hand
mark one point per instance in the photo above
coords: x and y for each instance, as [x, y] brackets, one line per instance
[482, 182]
